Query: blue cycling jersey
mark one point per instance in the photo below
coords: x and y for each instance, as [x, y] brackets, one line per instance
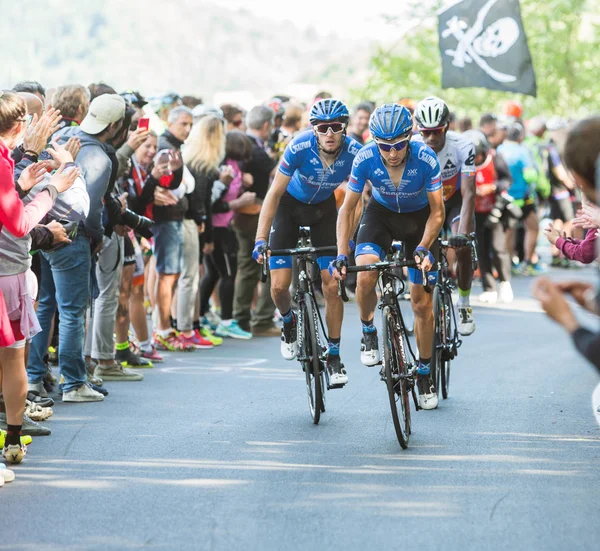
[310, 181]
[421, 175]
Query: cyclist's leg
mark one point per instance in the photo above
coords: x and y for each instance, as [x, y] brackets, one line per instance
[374, 240]
[284, 235]
[464, 269]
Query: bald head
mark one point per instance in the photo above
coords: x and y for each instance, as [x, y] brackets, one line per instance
[34, 103]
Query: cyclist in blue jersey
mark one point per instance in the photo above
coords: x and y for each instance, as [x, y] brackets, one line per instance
[406, 205]
[314, 164]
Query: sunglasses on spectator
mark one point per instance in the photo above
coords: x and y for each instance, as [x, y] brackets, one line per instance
[237, 123]
[396, 146]
[323, 128]
[432, 131]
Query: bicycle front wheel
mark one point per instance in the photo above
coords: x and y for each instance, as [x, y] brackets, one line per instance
[312, 361]
[439, 337]
[396, 371]
[448, 342]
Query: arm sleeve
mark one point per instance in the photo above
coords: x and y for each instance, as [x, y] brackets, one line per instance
[97, 175]
[588, 344]
[124, 154]
[583, 251]
[289, 161]
[434, 177]
[358, 175]
[468, 159]
[503, 176]
[41, 238]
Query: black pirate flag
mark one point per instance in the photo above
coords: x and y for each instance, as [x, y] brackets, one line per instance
[483, 44]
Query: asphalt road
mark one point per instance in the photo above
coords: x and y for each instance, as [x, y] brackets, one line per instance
[216, 450]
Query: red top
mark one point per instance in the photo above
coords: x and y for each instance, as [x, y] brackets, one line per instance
[485, 181]
[18, 218]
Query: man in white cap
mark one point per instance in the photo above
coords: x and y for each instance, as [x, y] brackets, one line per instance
[69, 267]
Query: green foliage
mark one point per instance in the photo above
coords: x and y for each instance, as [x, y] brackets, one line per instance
[564, 40]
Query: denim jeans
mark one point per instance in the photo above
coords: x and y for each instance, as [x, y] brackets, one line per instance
[65, 283]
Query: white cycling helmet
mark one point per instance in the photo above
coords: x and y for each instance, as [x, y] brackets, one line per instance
[432, 112]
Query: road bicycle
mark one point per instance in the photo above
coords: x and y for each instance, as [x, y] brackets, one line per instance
[312, 335]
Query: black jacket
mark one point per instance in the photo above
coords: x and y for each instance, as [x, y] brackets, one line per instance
[260, 166]
[200, 200]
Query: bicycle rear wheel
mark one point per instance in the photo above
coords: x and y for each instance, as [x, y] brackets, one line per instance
[439, 337]
[312, 361]
[449, 341]
[395, 371]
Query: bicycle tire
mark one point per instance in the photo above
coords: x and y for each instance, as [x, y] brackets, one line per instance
[439, 337]
[312, 365]
[394, 365]
[449, 341]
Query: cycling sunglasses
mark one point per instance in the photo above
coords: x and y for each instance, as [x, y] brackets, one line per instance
[396, 146]
[323, 128]
[432, 131]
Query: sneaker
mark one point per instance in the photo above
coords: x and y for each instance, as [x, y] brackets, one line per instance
[196, 341]
[231, 328]
[428, 398]
[52, 355]
[488, 297]
[533, 270]
[37, 413]
[337, 371]
[207, 334]
[369, 349]
[556, 262]
[14, 454]
[90, 367]
[85, 393]
[466, 324]
[38, 400]
[6, 475]
[38, 389]
[211, 319]
[25, 440]
[505, 292]
[115, 372]
[272, 331]
[128, 359]
[289, 339]
[31, 428]
[153, 355]
[172, 343]
[99, 389]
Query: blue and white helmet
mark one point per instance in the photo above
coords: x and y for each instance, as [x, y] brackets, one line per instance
[326, 110]
[389, 121]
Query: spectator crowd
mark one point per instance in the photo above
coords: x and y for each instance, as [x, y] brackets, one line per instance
[127, 229]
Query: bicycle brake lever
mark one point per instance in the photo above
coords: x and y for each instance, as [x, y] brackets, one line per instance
[342, 291]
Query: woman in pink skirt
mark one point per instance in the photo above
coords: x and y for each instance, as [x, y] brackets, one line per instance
[18, 322]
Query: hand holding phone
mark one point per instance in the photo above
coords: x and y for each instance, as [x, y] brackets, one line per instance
[144, 123]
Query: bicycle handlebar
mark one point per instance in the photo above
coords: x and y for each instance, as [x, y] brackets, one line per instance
[291, 252]
[381, 266]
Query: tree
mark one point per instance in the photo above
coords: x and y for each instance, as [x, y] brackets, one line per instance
[563, 38]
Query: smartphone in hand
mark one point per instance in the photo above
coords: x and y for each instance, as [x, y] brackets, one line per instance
[144, 123]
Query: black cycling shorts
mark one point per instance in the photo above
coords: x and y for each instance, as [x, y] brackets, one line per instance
[290, 216]
[380, 226]
[561, 209]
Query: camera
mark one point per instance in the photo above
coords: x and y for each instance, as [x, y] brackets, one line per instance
[504, 203]
[116, 216]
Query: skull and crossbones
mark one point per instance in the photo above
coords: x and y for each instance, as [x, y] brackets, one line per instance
[476, 43]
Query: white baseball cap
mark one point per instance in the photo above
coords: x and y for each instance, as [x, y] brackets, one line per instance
[104, 110]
